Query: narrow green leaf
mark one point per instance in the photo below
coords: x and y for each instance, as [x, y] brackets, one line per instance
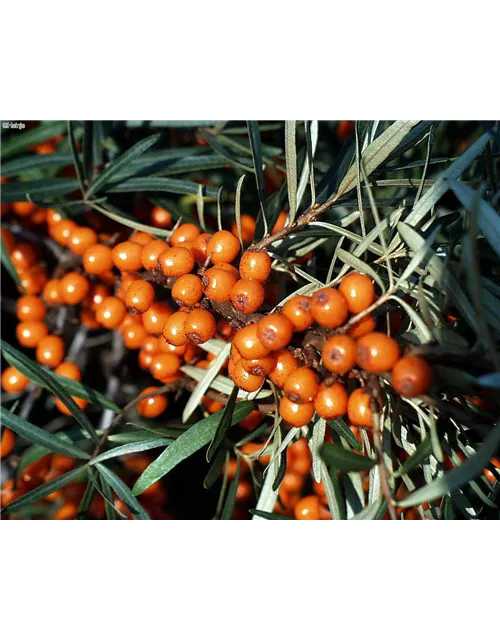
[370, 512]
[343, 430]
[123, 492]
[219, 148]
[255, 146]
[345, 460]
[224, 425]
[281, 471]
[169, 185]
[38, 189]
[215, 468]
[75, 156]
[228, 509]
[22, 141]
[333, 492]
[7, 263]
[315, 444]
[422, 452]
[133, 447]
[359, 265]
[86, 501]
[29, 163]
[118, 216]
[291, 167]
[239, 187]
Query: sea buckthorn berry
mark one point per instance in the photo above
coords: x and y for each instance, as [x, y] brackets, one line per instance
[377, 352]
[280, 222]
[245, 380]
[88, 319]
[358, 409]
[62, 231]
[127, 256]
[151, 252]
[164, 365]
[13, 381]
[362, 327]
[134, 336]
[274, 331]
[247, 295]
[128, 320]
[155, 317]
[39, 216]
[126, 280]
[96, 295]
[331, 402]
[9, 240]
[52, 292]
[252, 420]
[151, 345]
[411, 376]
[248, 344]
[139, 296]
[53, 217]
[217, 284]
[141, 237]
[212, 406]
[80, 402]
[166, 347]
[50, 351]
[187, 290]
[329, 308]
[81, 239]
[7, 443]
[145, 360]
[291, 483]
[161, 218]
[259, 366]
[199, 247]
[358, 290]
[175, 261]
[307, 508]
[30, 308]
[298, 311]
[244, 491]
[174, 329]
[298, 415]
[69, 370]
[256, 265]
[199, 326]
[223, 246]
[23, 256]
[110, 312]
[339, 354]
[284, 364]
[23, 208]
[153, 406]
[30, 332]
[32, 279]
[74, 288]
[301, 385]
[184, 233]
[97, 259]
[248, 225]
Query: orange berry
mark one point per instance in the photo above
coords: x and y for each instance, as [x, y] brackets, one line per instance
[244, 490]
[134, 335]
[39, 216]
[223, 246]
[301, 385]
[153, 406]
[248, 225]
[74, 288]
[358, 290]
[329, 308]
[52, 292]
[50, 351]
[174, 329]
[274, 331]
[151, 345]
[161, 218]
[280, 222]
[155, 317]
[151, 252]
[33, 279]
[97, 294]
[358, 409]
[199, 247]
[13, 381]
[376, 352]
[81, 239]
[256, 265]
[62, 231]
[97, 259]
[284, 364]
[110, 312]
[217, 284]
[184, 233]
[139, 296]
[331, 402]
[187, 290]
[298, 311]
[252, 420]
[141, 237]
[292, 482]
[247, 295]
[9, 240]
[69, 370]
[30, 308]
[126, 280]
[145, 359]
[345, 129]
[259, 366]
[80, 402]
[23, 255]
[298, 415]
[411, 376]
[30, 332]
[248, 344]
[362, 327]
[7, 443]
[245, 380]
[339, 354]
[199, 326]
[307, 508]
[127, 256]
[23, 208]
[88, 319]
[166, 347]
[175, 261]
[164, 365]
[53, 217]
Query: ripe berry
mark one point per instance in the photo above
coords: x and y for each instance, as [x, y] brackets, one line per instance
[145, 360]
[74, 288]
[23, 208]
[7, 443]
[376, 352]
[252, 420]
[164, 365]
[23, 256]
[329, 308]
[284, 364]
[97, 259]
[274, 331]
[248, 225]
[199, 247]
[362, 327]
[50, 351]
[141, 237]
[339, 354]
[166, 347]
[298, 311]
[307, 508]
[161, 218]
[151, 345]
[52, 292]
[247, 295]
[81, 239]
[151, 252]
[298, 415]
[134, 335]
[245, 380]
[301, 385]
[30, 308]
[80, 402]
[174, 329]
[259, 366]
[331, 402]
[184, 233]
[53, 217]
[358, 290]
[153, 406]
[155, 317]
[61, 231]
[187, 290]
[69, 370]
[291, 483]
[223, 246]
[30, 332]
[411, 376]
[256, 265]
[199, 326]
[88, 319]
[97, 294]
[139, 296]
[127, 256]
[248, 344]
[110, 312]
[175, 261]
[217, 284]
[280, 222]
[13, 381]
[33, 279]
[358, 409]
